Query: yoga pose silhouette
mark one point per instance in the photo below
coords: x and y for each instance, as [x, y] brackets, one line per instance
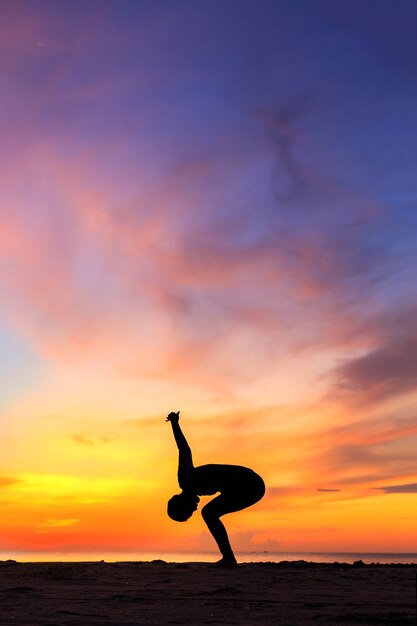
[239, 488]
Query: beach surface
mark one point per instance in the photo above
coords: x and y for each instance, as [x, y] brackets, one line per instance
[145, 593]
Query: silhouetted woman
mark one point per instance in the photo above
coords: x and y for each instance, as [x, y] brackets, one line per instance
[239, 488]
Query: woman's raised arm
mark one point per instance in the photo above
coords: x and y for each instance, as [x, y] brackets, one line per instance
[185, 458]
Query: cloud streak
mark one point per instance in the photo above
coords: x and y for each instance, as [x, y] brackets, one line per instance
[410, 488]
[86, 440]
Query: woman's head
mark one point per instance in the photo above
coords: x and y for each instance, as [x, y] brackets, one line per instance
[182, 506]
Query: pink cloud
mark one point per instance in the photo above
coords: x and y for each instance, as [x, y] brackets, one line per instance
[144, 268]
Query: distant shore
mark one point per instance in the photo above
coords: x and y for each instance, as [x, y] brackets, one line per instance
[195, 593]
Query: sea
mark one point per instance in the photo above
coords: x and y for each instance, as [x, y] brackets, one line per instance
[207, 557]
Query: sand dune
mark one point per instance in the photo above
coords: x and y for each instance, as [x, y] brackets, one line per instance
[135, 594]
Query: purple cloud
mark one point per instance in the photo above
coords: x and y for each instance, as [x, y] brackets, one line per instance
[388, 369]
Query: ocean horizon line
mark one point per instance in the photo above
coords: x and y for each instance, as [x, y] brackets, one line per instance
[257, 556]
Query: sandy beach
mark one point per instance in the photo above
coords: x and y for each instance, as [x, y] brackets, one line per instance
[136, 593]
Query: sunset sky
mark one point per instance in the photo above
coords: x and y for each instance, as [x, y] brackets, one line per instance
[208, 206]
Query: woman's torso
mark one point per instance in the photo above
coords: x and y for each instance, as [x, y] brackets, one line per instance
[206, 480]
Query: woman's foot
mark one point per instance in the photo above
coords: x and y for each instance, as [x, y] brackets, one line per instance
[227, 562]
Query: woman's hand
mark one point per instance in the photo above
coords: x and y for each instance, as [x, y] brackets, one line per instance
[173, 417]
